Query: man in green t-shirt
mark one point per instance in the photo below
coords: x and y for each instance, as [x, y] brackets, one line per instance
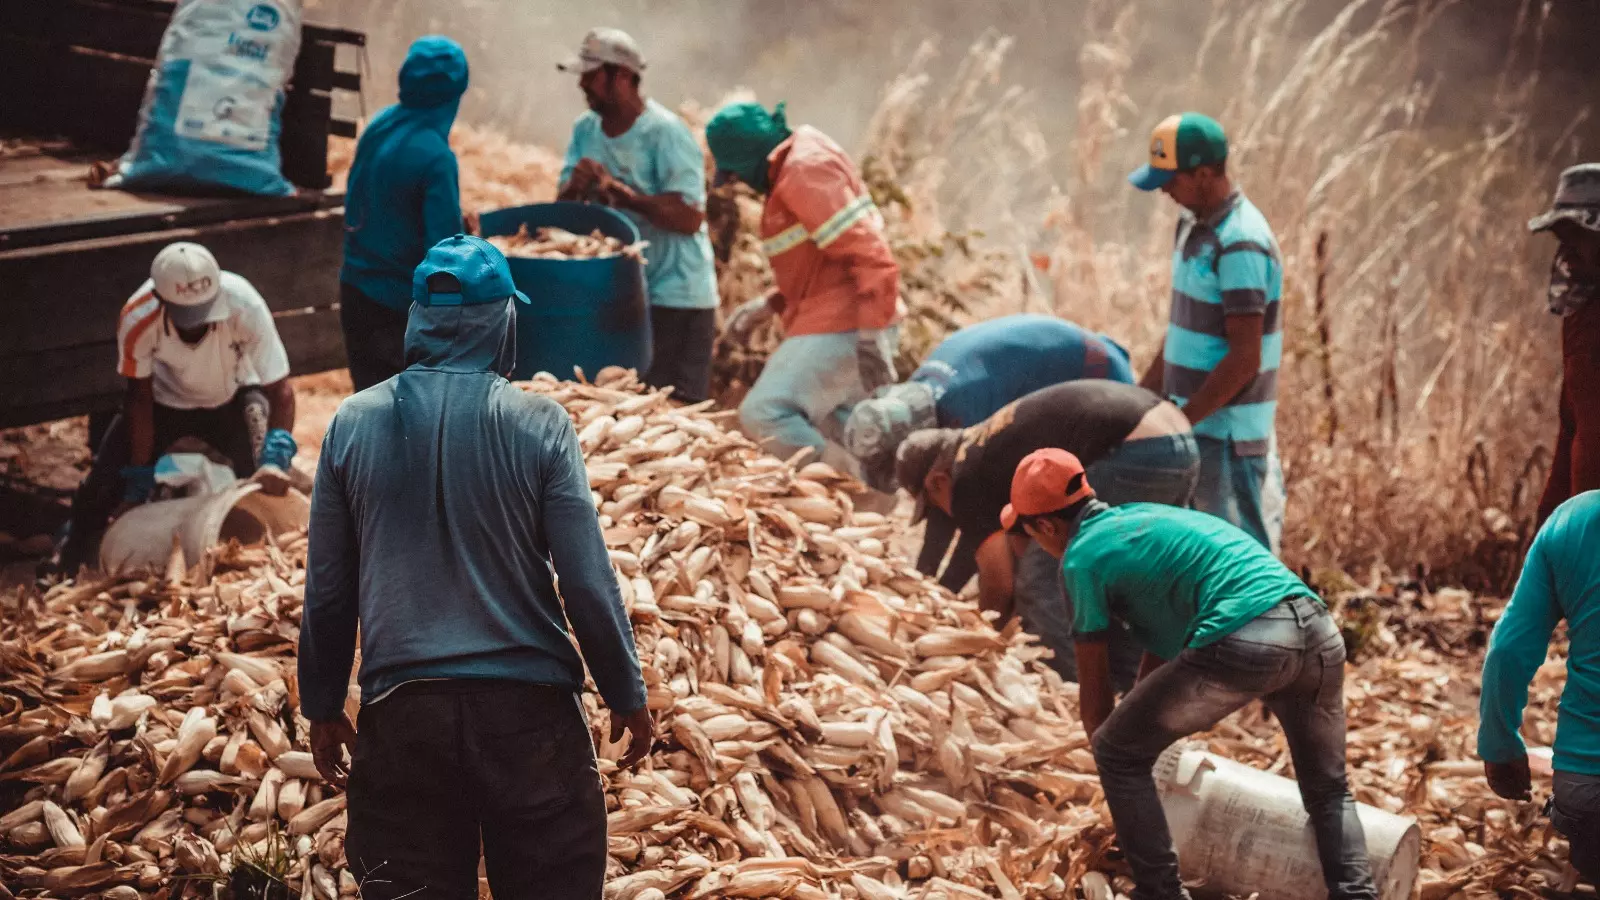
[1222, 623]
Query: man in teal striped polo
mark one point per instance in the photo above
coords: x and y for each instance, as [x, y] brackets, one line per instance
[1225, 335]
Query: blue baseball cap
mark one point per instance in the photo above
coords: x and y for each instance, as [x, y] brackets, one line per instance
[478, 274]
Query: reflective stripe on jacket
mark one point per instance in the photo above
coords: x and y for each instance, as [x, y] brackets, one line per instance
[824, 238]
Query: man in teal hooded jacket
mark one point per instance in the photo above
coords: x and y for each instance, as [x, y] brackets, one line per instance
[447, 503]
[1560, 581]
[402, 198]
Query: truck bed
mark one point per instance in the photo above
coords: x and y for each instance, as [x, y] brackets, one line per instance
[70, 255]
[72, 76]
[45, 198]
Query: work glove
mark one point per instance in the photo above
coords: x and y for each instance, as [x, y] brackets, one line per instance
[138, 483]
[744, 320]
[872, 358]
[276, 452]
[278, 449]
[1510, 780]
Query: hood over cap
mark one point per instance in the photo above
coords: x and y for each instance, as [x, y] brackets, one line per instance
[434, 73]
[463, 311]
[432, 80]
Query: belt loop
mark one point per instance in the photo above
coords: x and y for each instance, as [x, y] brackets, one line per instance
[1297, 605]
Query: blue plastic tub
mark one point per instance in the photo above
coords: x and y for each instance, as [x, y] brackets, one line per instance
[589, 313]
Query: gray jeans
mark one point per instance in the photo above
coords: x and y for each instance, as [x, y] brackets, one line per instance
[1150, 470]
[1292, 657]
[1575, 812]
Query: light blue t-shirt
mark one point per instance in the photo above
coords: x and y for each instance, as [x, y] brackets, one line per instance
[658, 155]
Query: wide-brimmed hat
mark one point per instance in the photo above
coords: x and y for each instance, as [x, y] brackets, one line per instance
[1577, 200]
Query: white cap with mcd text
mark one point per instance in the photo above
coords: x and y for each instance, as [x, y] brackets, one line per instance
[186, 278]
[605, 46]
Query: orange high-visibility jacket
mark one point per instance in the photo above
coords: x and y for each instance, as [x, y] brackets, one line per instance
[824, 239]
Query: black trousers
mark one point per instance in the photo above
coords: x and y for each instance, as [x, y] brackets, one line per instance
[441, 765]
[374, 338]
[682, 341]
[235, 430]
[1574, 808]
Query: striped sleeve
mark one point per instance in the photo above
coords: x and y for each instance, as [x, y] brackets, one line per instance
[136, 335]
[1244, 274]
[857, 209]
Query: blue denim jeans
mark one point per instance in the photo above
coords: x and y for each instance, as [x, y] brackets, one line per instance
[1150, 470]
[1292, 657]
[1574, 810]
[805, 394]
[1243, 485]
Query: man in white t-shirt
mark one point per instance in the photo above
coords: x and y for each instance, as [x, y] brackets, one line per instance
[204, 361]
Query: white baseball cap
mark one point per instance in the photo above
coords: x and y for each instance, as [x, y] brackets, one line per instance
[605, 46]
[187, 280]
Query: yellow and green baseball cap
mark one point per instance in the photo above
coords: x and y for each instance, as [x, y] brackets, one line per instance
[1180, 143]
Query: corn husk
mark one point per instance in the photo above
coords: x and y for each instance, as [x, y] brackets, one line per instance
[63, 830]
[558, 243]
[830, 721]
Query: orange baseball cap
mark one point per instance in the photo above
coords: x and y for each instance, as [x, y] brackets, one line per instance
[1044, 484]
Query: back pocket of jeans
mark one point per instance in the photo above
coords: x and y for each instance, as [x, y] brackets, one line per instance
[1248, 669]
[1331, 656]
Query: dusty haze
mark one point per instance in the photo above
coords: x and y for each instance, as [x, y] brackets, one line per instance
[830, 59]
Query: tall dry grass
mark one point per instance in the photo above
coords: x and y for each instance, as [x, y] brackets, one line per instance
[1419, 373]
[1420, 368]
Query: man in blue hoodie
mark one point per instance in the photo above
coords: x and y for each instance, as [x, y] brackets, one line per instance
[402, 198]
[447, 503]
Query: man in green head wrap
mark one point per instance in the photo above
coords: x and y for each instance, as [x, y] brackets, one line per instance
[838, 292]
[742, 136]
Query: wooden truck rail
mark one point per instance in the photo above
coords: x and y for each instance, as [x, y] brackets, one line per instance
[73, 73]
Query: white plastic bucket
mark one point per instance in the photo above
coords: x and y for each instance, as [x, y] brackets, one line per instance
[1244, 831]
[142, 537]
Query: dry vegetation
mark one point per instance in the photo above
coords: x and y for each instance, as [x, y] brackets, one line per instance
[833, 724]
[1419, 362]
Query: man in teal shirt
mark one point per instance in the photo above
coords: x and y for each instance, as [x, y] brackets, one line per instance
[1560, 580]
[1223, 623]
[633, 154]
